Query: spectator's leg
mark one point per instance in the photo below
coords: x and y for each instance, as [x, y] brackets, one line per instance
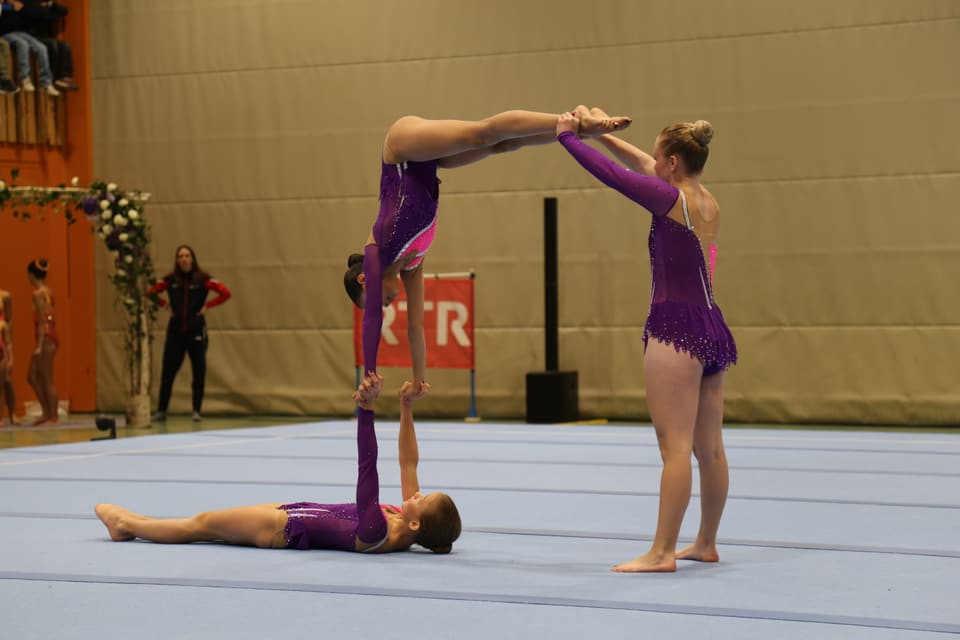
[21, 53]
[43, 61]
[63, 68]
[53, 54]
[4, 60]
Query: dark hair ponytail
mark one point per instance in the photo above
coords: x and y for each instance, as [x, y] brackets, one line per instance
[38, 269]
[350, 283]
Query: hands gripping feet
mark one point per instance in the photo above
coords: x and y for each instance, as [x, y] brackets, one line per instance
[596, 122]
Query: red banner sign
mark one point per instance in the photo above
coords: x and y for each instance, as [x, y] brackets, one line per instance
[447, 327]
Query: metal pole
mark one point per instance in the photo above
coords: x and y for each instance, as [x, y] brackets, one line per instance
[550, 293]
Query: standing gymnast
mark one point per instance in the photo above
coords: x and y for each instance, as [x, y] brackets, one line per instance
[6, 357]
[692, 347]
[366, 526]
[40, 374]
[6, 387]
[413, 150]
[187, 287]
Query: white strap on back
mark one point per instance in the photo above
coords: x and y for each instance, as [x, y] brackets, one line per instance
[686, 213]
[378, 545]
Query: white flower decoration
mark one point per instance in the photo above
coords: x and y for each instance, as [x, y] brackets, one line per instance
[124, 237]
[102, 235]
[119, 220]
[123, 202]
[128, 259]
[74, 181]
[133, 213]
[107, 229]
[111, 187]
[121, 273]
[104, 204]
[105, 215]
[3, 185]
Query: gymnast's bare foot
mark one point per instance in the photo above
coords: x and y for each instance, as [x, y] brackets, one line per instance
[650, 562]
[112, 517]
[594, 122]
[700, 553]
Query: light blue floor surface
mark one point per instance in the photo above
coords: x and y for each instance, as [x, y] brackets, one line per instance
[826, 535]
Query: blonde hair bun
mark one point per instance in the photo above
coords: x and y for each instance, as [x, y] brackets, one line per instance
[702, 132]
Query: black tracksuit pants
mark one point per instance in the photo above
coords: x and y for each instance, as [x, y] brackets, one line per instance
[192, 342]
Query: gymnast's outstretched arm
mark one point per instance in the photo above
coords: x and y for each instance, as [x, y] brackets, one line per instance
[372, 525]
[409, 452]
[653, 194]
[413, 286]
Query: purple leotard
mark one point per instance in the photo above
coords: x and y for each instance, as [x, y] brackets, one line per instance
[338, 526]
[406, 222]
[682, 309]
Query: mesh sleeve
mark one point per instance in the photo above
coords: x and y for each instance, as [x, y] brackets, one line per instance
[653, 194]
[373, 307]
[372, 526]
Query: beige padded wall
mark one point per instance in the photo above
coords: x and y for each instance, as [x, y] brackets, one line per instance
[258, 128]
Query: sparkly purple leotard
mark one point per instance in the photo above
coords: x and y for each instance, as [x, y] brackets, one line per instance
[406, 223]
[338, 526]
[682, 309]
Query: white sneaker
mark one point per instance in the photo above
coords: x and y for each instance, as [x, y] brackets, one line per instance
[51, 90]
[196, 416]
[27, 85]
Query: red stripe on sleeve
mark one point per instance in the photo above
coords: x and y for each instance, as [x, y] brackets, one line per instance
[223, 294]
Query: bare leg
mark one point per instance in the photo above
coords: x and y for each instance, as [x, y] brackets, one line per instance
[34, 377]
[419, 140]
[673, 383]
[714, 473]
[51, 409]
[259, 525]
[10, 397]
[475, 155]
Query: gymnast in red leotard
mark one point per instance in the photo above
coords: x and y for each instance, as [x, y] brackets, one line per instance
[6, 369]
[40, 375]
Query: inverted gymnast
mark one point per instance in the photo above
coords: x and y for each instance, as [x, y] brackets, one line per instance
[692, 347]
[413, 150]
[431, 521]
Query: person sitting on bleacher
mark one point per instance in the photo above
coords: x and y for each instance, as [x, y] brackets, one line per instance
[12, 24]
[7, 86]
[42, 21]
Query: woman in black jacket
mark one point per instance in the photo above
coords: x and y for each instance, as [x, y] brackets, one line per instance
[187, 287]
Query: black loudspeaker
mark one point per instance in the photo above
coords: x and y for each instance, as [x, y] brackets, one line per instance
[552, 397]
[106, 423]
